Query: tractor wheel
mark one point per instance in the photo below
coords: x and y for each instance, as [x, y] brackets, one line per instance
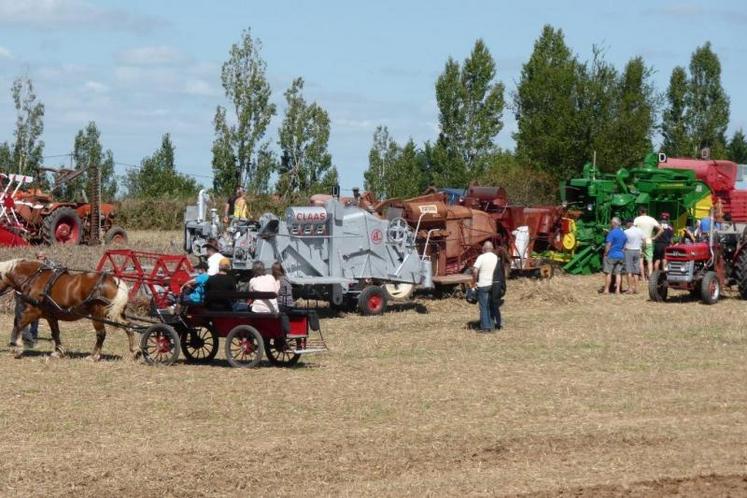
[399, 291]
[658, 286]
[115, 236]
[741, 273]
[280, 354]
[244, 347]
[62, 227]
[199, 345]
[710, 288]
[160, 345]
[372, 301]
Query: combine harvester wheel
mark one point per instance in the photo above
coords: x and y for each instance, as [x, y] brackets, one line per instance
[62, 227]
[372, 301]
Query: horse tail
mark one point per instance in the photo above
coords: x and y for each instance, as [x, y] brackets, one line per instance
[115, 311]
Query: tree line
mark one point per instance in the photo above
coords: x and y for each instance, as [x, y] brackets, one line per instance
[568, 112]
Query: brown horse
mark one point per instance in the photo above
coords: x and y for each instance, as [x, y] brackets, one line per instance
[69, 296]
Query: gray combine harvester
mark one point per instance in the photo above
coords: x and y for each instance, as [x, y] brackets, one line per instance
[341, 254]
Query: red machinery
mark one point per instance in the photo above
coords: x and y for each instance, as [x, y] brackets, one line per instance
[454, 233]
[158, 275]
[720, 176]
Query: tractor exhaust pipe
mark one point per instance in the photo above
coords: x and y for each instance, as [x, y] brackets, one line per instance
[201, 204]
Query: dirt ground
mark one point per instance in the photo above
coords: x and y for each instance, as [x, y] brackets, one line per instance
[580, 395]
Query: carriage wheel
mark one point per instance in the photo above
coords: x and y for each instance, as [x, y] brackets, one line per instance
[160, 345]
[244, 347]
[280, 354]
[199, 345]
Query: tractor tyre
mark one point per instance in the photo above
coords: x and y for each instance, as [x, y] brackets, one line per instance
[372, 301]
[115, 236]
[658, 286]
[710, 288]
[62, 227]
[741, 273]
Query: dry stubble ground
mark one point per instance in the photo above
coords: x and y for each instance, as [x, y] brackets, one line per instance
[580, 395]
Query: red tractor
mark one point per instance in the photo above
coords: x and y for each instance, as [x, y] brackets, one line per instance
[703, 268]
[34, 217]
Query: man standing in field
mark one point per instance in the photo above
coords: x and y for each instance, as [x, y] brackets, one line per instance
[614, 256]
[482, 278]
[647, 224]
[633, 244]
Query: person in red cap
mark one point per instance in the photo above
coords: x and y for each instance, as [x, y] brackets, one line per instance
[662, 240]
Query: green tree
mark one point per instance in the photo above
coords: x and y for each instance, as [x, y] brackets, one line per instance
[673, 127]
[24, 156]
[303, 139]
[157, 176]
[381, 159]
[737, 148]
[546, 106]
[87, 152]
[470, 105]
[707, 113]
[403, 179]
[239, 153]
[598, 94]
[635, 116]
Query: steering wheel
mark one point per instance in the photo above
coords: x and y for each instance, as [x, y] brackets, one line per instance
[398, 231]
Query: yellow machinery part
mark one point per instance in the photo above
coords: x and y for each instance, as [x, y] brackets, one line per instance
[569, 241]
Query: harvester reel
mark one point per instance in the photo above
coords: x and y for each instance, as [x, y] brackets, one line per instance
[398, 231]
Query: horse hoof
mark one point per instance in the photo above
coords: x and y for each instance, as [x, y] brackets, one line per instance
[18, 354]
[94, 357]
[56, 354]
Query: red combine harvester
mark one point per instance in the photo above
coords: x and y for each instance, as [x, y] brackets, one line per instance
[33, 217]
[454, 233]
[721, 177]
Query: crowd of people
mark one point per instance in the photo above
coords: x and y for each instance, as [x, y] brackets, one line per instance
[637, 248]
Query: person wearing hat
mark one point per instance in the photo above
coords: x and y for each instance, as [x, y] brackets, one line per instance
[213, 257]
[661, 241]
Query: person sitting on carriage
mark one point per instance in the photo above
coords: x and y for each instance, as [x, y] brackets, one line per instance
[220, 287]
[262, 282]
[285, 289]
[193, 291]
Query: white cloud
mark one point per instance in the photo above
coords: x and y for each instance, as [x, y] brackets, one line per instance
[200, 88]
[150, 56]
[95, 86]
[61, 14]
[5, 53]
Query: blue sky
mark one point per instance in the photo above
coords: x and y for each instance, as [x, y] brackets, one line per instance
[142, 68]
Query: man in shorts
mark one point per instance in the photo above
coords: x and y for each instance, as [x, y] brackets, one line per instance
[633, 244]
[614, 256]
[647, 224]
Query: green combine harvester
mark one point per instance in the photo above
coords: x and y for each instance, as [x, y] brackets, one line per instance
[596, 197]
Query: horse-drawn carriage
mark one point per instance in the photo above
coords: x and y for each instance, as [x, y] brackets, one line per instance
[57, 294]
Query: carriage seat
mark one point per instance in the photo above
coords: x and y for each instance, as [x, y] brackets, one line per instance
[224, 300]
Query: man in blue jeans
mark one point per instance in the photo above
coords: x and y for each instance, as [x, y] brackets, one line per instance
[482, 278]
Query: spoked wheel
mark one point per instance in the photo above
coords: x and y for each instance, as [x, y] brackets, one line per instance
[199, 345]
[244, 347]
[160, 345]
[280, 352]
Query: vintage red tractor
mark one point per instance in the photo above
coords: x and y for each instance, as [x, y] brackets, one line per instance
[30, 216]
[703, 268]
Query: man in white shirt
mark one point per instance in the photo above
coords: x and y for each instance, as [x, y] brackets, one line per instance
[214, 258]
[647, 224]
[634, 241]
[482, 278]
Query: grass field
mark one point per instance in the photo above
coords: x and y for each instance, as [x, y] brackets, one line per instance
[579, 395]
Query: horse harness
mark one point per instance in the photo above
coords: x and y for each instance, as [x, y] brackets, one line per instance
[57, 272]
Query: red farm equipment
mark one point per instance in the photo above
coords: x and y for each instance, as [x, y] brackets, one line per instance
[34, 217]
[157, 276]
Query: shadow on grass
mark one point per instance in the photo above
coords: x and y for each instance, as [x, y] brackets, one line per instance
[69, 355]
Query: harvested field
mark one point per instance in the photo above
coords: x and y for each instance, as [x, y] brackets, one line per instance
[579, 395]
